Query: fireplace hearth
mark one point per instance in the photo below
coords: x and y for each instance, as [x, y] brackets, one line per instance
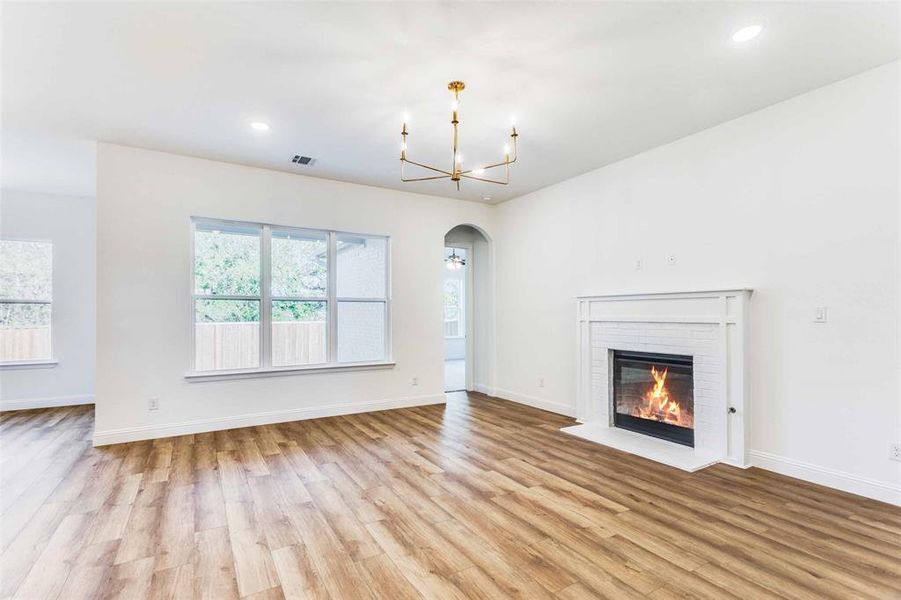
[653, 394]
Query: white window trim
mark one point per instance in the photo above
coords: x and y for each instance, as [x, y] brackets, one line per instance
[280, 371]
[36, 363]
[265, 298]
[30, 364]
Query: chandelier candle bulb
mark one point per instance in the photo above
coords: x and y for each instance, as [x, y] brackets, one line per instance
[403, 145]
[456, 173]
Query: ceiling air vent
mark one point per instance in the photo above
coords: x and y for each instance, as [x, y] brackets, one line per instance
[302, 160]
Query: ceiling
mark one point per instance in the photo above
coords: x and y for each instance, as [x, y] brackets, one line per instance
[588, 83]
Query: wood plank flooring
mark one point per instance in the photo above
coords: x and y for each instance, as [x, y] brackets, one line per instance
[477, 499]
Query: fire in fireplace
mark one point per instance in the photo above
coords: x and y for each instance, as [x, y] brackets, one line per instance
[653, 394]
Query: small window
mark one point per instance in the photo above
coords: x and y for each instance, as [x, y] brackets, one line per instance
[453, 308]
[362, 297]
[454, 293]
[227, 297]
[267, 296]
[299, 298]
[26, 292]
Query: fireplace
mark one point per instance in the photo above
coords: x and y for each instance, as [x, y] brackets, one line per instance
[653, 394]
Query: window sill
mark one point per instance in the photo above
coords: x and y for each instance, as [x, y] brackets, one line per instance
[281, 371]
[29, 364]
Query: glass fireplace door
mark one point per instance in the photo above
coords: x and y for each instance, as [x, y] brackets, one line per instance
[653, 394]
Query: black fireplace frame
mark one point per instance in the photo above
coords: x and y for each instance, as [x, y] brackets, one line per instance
[666, 431]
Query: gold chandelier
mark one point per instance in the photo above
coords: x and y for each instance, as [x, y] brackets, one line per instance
[456, 172]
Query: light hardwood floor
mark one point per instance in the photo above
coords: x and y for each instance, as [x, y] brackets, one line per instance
[478, 499]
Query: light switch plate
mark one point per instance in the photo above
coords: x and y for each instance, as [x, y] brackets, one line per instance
[820, 314]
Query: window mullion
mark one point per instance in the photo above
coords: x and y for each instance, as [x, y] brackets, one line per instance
[387, 294]
[224, 297]
[364, 300]
[266, 297]
[298, 298]
[332, 305]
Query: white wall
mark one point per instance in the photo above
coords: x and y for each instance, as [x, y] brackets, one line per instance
[144, 202]
[69, 222]
[799, 201]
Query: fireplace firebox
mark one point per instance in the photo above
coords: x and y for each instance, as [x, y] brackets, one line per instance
[653, 394]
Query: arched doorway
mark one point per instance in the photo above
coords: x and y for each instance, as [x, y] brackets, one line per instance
[466, 300]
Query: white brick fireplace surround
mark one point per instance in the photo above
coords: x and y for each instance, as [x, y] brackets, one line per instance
[709, 326]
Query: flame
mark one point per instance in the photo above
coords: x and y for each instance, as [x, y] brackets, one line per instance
[659, 406]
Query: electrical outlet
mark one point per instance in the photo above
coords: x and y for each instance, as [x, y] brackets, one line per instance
[638, 265]
[541, 382]
[153, 404]
[894, 451]
[416, 381]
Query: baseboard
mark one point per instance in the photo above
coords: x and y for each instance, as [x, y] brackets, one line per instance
[548, 405]
[147, 432]
[484, 389]
[840, 480]
[53, 402]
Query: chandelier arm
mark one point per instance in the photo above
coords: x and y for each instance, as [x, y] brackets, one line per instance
[413, 162]
[485, 180]
[500, 164]
[508, 161]
[425, 178]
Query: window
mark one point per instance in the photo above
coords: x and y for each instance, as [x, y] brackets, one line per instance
[299, 298]
[26, 291]
[227, 296]
[271, 297]
[453, 308]
[362, 297]
[454, 294]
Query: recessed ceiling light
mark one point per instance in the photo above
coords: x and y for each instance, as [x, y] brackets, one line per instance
[486, 197]
[259, 126]
[747, 33]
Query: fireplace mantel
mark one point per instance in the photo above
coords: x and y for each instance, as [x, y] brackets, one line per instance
[671, 294]
[711, 326]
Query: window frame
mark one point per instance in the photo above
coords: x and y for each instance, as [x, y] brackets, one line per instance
[49, 361]
[266, 299]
